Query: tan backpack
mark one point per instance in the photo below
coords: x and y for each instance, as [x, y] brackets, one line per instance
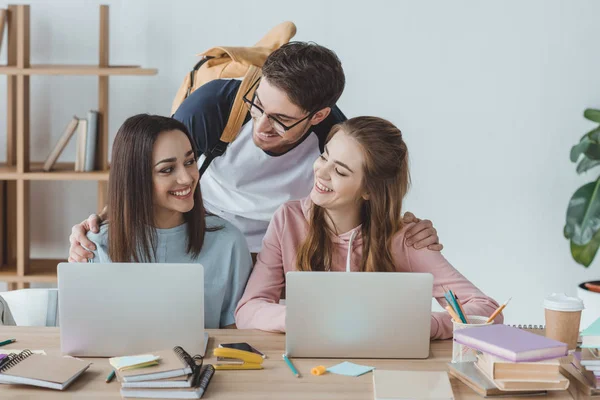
[232, 62]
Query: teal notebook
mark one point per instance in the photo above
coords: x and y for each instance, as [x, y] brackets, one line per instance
[593, 329]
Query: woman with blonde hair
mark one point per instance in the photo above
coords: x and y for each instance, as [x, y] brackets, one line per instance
[352, 216]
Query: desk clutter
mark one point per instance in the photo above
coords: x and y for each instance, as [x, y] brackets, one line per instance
[513, 360]
[584, 365]
[52, 372]
[164, 374]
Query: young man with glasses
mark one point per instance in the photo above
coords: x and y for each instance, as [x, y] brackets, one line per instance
[270, 161]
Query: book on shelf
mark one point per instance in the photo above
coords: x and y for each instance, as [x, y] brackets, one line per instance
[80, 144]
[61, 144]
[52, 372]
[85, 146]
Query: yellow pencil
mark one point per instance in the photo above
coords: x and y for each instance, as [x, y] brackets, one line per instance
[453, 314]
[498, 311]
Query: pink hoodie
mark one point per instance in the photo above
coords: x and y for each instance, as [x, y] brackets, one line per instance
[259, 307]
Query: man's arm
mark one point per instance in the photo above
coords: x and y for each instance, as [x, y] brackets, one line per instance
[422, 234]
[79, 240]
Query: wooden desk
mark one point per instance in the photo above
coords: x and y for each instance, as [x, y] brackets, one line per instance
[274, 382]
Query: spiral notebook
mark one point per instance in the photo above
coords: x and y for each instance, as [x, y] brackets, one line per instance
[174, 362]
[51, 372]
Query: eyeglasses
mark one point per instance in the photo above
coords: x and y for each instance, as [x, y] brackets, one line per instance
[256, 113]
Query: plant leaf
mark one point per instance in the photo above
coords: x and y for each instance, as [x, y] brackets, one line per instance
[580, 148]
[593, 151]
[594, 135]
[585, 254]
[586, 164]
[592, 114]
[583, 214]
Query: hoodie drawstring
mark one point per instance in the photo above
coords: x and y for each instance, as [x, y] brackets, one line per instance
[350, 250]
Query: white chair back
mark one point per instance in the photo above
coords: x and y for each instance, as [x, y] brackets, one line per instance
[33, 307]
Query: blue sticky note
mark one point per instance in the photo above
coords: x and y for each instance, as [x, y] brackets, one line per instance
[350, 369]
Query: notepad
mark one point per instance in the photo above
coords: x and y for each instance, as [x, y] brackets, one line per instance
[413, 385]
[510, 343]
[133, 362]
[40, 370]
[350, 369]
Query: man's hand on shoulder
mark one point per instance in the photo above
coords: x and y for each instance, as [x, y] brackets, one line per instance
[422, 234]
[79, 240]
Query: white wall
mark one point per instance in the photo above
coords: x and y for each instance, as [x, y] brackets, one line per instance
[488, 95]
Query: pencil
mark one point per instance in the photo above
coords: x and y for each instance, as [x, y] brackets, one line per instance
[110, 376]
[498, 311]
[461, 309]
[289, 364]
[9, 341]
[453, 314]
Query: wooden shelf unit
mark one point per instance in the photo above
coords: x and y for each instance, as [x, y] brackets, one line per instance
[16, 266]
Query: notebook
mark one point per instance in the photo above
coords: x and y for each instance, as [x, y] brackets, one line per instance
[510, 343]
[201, 380]
[497, 368]
[184, 381]
[591, 335]
[467, 373]
[578, 381]
[172, 363]
[588, 358]
[51, 372]
[414, 385]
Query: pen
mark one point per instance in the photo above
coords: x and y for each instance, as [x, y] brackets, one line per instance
[461, 309]
[498, 311]
[110, 376]
[9, 341]
[289, 364]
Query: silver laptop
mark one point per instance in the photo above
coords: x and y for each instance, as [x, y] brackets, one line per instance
[124, 308]
[358, 314]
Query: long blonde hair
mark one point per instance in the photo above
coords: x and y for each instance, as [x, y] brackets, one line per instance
[386, 180]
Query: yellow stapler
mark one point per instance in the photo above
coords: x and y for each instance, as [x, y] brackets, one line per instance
[230, 359]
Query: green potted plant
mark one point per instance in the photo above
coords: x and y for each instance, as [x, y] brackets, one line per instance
[582, 227]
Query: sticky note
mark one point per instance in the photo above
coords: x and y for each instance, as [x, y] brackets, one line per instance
[133, 362]
[350, 369]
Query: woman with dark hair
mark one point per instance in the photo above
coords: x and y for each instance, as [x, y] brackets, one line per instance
[351, 218]
[155, 214]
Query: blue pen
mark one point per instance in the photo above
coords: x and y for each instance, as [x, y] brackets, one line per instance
[289, 364]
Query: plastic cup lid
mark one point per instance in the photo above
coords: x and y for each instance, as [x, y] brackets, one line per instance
[562, 302]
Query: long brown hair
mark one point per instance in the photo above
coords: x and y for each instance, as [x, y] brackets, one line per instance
[131, 234]
[386, 180]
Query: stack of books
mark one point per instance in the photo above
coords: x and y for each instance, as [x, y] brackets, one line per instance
[85, 147]
[513, 360]
[165, 374]
[584, 368]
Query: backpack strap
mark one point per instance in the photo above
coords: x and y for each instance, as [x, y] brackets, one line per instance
[236, 118]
